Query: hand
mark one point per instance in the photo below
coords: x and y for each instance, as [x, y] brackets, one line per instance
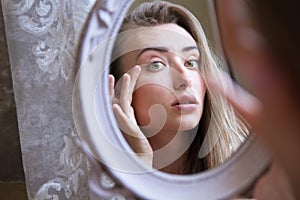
[273, 114]
[273, 185]
[121, 97]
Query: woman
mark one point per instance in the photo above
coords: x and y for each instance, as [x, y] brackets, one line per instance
[163, 102]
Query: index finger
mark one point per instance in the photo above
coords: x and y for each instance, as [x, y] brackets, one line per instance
[134, 75]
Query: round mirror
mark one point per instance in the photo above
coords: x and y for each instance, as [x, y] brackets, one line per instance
[158, 127]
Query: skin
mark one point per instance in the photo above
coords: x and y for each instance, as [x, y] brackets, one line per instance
[273, 112]
[162, 97]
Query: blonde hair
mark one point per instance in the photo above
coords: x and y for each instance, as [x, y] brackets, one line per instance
[219, 122]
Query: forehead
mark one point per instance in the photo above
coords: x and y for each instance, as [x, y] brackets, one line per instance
[171, 36]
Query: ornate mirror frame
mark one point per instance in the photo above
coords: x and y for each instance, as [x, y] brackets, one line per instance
[102, 139]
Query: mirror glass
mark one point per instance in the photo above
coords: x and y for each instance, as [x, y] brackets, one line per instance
[171, 119]
[143, 111]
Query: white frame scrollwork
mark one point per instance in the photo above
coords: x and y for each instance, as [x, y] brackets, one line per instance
[103, 141]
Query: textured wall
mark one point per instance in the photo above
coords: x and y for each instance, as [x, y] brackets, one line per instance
[11, 168]
[42, 39]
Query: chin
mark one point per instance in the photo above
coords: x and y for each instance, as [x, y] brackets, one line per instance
[182, 125]
[186, 126]
[188, 122]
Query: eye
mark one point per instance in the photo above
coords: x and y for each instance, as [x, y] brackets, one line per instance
[155, 66]
[192, 64]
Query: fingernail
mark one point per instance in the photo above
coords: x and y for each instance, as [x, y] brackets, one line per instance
[137, 68]
[126, 76]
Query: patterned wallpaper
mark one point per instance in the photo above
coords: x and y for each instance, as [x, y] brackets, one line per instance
[42, 38]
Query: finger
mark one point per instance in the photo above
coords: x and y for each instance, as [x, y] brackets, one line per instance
[132, 134]
[111, 80]
[248, 106]
[124, 99]
[120, 117]
[125, 123]
[134, 74]
[112, 89]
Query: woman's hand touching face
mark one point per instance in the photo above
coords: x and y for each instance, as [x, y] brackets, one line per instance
[121, 97]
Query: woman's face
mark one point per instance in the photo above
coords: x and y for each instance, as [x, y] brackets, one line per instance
[169, 93]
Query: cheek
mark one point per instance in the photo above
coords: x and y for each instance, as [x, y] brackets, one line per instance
[144, 98]
[140, 101]
[199, 86]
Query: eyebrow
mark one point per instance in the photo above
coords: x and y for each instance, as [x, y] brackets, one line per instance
[164, 49]
[190, 48]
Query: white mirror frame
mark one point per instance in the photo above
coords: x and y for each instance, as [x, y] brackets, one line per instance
[101, 137]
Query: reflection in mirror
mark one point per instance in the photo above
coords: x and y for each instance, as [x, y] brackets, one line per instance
[170, 117]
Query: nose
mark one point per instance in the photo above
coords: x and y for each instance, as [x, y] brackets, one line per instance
[183, 82]
[181, 78]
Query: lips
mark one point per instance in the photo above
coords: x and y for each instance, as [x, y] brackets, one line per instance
[185, 101]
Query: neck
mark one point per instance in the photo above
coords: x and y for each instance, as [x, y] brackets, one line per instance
[176, 166]
[170, 150]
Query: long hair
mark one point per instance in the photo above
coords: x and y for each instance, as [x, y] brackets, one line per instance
[219, 125]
